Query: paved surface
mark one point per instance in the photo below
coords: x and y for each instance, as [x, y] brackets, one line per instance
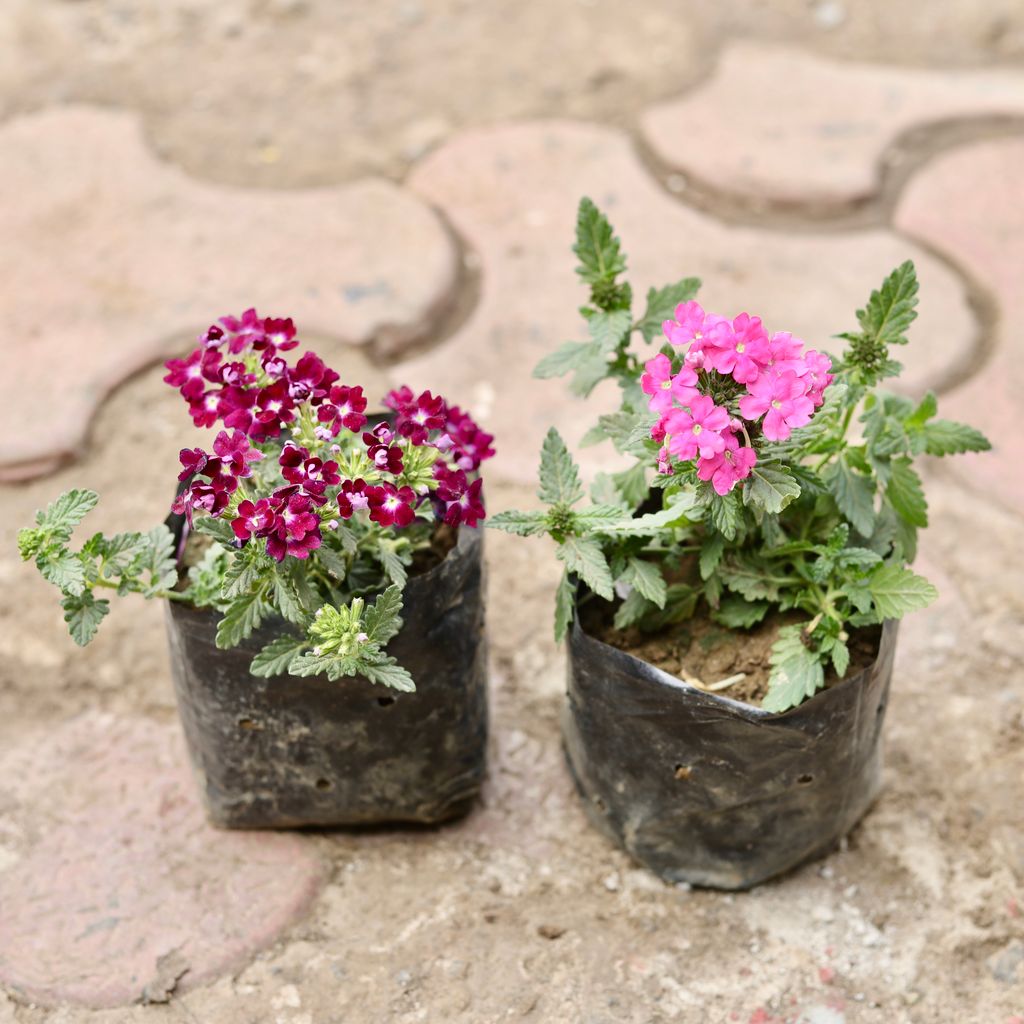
[135, 220]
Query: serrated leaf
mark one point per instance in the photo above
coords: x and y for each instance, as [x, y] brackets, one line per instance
[725, 513]
[569, 356]
[241, 617]
[564, 601]
[890, 310]
[392, 564]
[646, 578]
[896, 591]
[590, 372]
[522, 524]
[559, 477]
[241, 575]
[632, 485]
[382, 620]
[65, 571]
[711, 554]
[83, 614]
[596, 247]
[945, 437]
[332, 561]
[287, 600]
[905, 493]
[749, 581]
[770, 488]
[609, 329]
[853, 492]
[652, 524]
[595, 435]
[389, 673]
[219, 529]
[796, 672]
[65, 512]
[736, 613]
[584, 557]
[600, 518]
[276, 658]
[840, 654]
[661, 305]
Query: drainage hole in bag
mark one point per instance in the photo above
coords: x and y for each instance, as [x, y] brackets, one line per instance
[682, 771]
[804, 780]
[385, 702]
[323, 784]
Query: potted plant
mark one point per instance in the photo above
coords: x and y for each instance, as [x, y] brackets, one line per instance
[732, 596]
[316, 564]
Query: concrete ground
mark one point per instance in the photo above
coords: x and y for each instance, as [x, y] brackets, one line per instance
[402, 177]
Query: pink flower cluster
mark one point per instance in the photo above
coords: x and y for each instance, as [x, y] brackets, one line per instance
[756, 374]
[239, 376]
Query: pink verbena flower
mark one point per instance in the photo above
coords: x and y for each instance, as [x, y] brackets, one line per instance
[463, 501]
[384, 455]
[352, 497]
[390, 505]
[346, 408]
[416, 417]
[815, 372]
[187, 375]
[469, 444]
[254, 519]
[729, 466]
[740, 350]
[235, 452]
[696, 430]
[280, 333]
[242, 333]
[782, 400]
[689, 325]
[666, 388]
[296, 529]
[784, 353]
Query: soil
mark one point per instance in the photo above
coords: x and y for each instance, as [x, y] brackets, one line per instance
[706, 655]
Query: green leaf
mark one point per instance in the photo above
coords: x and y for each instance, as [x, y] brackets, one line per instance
[945, 437]
[646, 579]
[276, 658]
[569, 356]
[332, 561]
[840, 658]
[711, 554]
[585, 558]
[83, 614]
[389, 673]
[725, 513]
[392, 564]
[559, 477]
[771, 488]
[564, 599]
[890, 310]
[287, 600]
[610, 329]
[596, 247]
[736, 613]
[796, 672]
[522, 524]
[905, 493]
[64, 513]
[600, 518]
[749, 580]
[595, 435]
[652, 524]
[590, 372]
[382, 620]
[661, 305]
[219, 529]
[241, 617]
[854, 494]
[632, 484]
[243, 572]
[65, 571]
[632, 610]
[896, 591]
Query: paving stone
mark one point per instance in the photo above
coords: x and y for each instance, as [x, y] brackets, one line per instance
[512, 192]
[110, 256]
[970, 205]
[783, 126]
[116, 887]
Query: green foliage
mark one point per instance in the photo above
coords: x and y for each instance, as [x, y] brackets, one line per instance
[822, 529]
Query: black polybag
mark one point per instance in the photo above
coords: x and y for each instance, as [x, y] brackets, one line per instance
[290, 751]
[711, 791]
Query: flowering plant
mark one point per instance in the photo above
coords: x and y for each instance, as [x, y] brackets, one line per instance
[755, 494]
[306, 507]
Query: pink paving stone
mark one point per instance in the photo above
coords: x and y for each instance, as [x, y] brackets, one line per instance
[970, 204]
[787, 127]
[512, 192]
[111, 258]
[116, 868]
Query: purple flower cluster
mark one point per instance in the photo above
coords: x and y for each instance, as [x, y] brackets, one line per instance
[239, 376]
